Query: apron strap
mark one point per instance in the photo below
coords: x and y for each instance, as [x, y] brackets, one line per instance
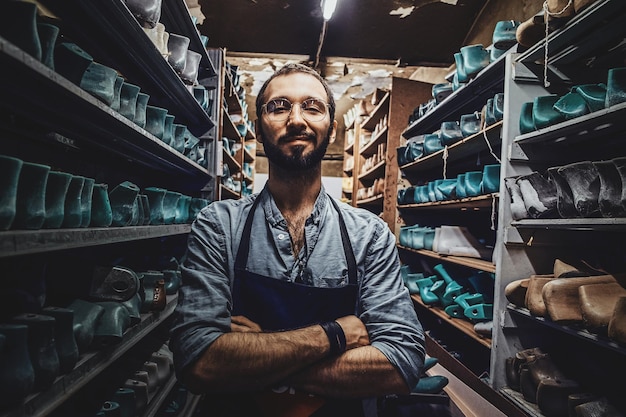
[244, 245]
[347, 246]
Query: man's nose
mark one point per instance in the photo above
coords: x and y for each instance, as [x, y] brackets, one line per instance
[295, 116]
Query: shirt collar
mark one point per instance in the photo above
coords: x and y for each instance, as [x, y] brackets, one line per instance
[274, 216]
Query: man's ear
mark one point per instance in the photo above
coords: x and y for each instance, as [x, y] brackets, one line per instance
[258, 131]
[333, 134]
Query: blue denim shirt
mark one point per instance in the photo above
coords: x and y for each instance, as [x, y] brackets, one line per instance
[384, 305]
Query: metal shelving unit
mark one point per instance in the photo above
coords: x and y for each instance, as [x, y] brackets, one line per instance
[88, 367]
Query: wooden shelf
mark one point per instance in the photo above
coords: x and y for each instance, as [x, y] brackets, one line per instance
[377, 171]
[88, 367]
[371, 147]
[230, 130]
[470, 204]
[518, 399]
[617, 225]
[472, 381]
[601, 22]
[80, 120]
[468, 146]
[109, 32]
[580, 333]
[465, 326]
[474, 263]
[375, 200]
[381, 109]
[26, 242]
[158, 398]
[232, 163]
[247, 156]
[467, 99]
[191, 405]
[227, 193]
[176, 18]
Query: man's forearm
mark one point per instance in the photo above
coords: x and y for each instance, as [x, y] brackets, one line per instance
[360, 372]
[250, 360]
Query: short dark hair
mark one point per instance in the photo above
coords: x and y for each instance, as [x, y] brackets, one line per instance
[289, 69]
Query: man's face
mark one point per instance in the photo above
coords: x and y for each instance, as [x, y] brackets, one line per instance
[296, 143]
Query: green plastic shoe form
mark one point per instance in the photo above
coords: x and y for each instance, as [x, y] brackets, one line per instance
[109, 330]
[141, 109]
[122, 198]
[411, 282]
[48, 34]
[56, 192]
[616, 87]
[156, 196]
[593, 94]
[9, 176]
[432, 143]
[155, 120]
[475, 58]
[450, 132]
[473, 183]
[31, 196]
[128, 100]
[452, 289]
[526, 121]
[66, 347]
[460, 73]
[430, 384]
[86, 315]
[571, 105]
[72, 215]
[470, 124]
[170, 203]
[18, 25]
[86, 202]
[544, 113]
[504, 34]
[491, 178]
[101, 212]
[182, 209]
[17, 376]
[117, 93]
[99, 81]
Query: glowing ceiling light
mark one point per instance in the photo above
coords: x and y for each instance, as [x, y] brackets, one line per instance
[328, 8]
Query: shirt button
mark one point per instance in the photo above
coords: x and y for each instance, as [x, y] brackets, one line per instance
[281, 236]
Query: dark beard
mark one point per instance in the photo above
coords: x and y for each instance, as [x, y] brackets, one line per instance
[297, 161]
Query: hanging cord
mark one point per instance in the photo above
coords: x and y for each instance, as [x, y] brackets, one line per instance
[547, 12]
[490, 148]
[444, 156]
[493, 213]
[320, 44]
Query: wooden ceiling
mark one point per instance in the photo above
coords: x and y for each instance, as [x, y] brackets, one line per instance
[416, 33]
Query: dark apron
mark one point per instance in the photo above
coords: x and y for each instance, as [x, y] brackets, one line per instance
[281, 305]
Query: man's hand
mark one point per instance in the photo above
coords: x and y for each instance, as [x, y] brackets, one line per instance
[243, 324]
[355, 331]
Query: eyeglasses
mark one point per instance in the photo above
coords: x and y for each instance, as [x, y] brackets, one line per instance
[279, 109]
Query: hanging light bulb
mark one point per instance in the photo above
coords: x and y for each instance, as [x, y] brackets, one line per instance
[328, 7]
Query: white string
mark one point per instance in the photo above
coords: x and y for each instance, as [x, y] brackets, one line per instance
[445, 160]
[490, 148]
[546, 83]
[493, 213]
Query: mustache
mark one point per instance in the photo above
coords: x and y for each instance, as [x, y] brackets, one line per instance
[292, 135]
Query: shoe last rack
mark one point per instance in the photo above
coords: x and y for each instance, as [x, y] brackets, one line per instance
[580, 52]
[49, 120]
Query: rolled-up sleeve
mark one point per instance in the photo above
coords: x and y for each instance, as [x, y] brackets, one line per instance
[202, 313]
[387, 309]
